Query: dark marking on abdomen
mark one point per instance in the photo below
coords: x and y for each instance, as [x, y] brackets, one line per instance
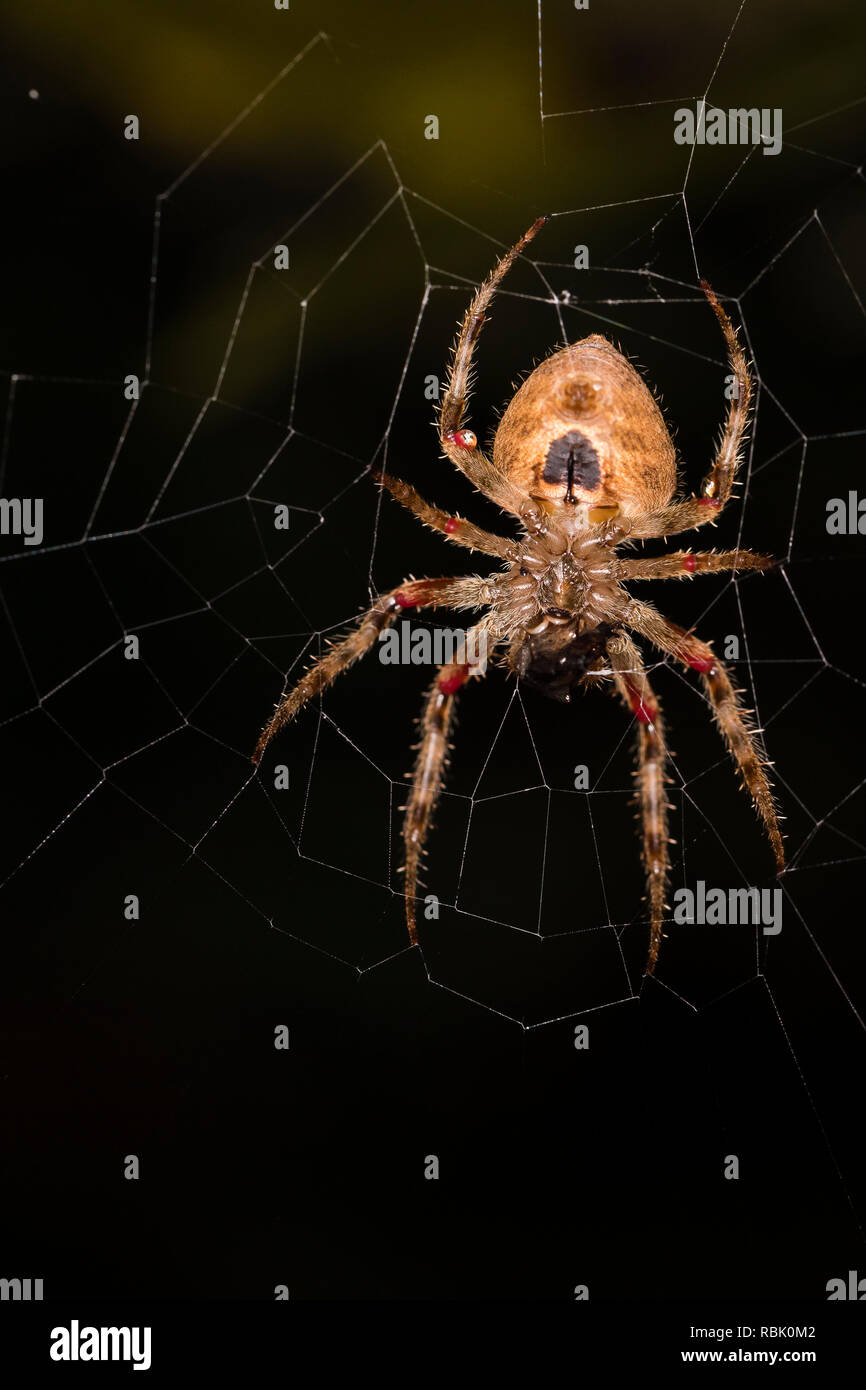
[572, 461]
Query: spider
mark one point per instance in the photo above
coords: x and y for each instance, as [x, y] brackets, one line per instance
[582, 460]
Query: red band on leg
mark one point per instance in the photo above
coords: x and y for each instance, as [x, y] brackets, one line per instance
[452, 678]
[690, 563]
[416, 594]
[646, 713]
[706, 664]
[464, 439]
[700, 660]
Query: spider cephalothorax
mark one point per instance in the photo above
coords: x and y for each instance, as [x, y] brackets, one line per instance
[583, 462]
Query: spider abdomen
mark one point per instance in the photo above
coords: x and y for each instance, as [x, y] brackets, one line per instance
[585, 428]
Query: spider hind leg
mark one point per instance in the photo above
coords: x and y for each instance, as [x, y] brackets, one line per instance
[651, 777]
[412, 593]
[734, 721]
[429, 773]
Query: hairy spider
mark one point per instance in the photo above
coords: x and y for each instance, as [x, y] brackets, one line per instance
[583, 461]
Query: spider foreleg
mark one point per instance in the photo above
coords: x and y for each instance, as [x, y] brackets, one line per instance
[651, 777]
[732, 718]
[413, 593]
[457, 391]
[460, 445]
[716, 488]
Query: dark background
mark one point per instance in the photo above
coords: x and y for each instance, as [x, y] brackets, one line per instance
[258, 908]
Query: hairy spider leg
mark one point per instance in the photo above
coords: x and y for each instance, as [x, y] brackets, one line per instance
[683, 564]
[460, 445]
[429, 772]
[733, 720]
[455, 528]
[412, 593]
[716, 490]
[651, 777]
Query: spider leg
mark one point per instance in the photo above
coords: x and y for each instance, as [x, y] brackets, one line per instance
[733, 720]
[633, 685]
[716, 490]
[460, 445]
[415, 593]
[428, 775]
[682, 564]
[456, 528]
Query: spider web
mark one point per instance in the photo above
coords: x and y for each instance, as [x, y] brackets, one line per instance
[292, 389]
